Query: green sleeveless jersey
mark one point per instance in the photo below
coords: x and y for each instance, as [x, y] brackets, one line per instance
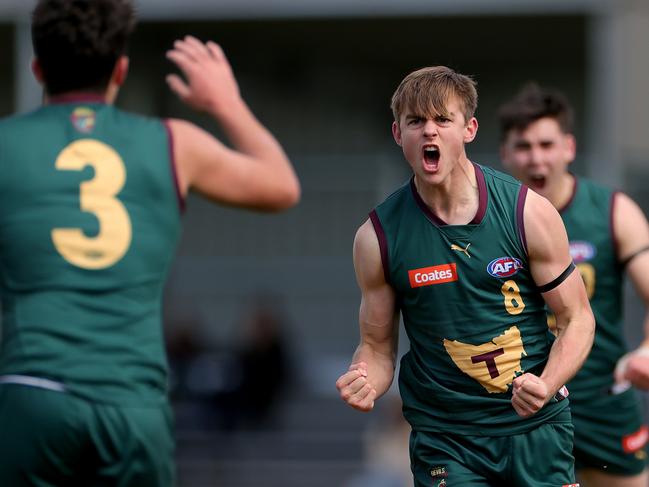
[470, 308]
[89, 220]
[587, 218]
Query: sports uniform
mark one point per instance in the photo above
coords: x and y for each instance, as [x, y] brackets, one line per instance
[475, 320]
[609, 430]
[89, 220]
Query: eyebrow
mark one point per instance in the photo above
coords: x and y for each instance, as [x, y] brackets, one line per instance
[525, 142]
[410, 116]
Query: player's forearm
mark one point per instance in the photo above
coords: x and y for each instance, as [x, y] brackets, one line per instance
[246, 133]
[251, 138]
[569, 351]
[380, 362]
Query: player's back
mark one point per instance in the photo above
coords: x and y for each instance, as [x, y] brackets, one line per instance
[89, 220]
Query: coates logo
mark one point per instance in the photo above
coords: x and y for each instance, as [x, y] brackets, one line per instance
[633, 442]
[582, 251]
[437, 274]
[504, 266]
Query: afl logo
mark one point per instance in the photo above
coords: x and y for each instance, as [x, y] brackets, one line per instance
[504, 266]
[581, 251]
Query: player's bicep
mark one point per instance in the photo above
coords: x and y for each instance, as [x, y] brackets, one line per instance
[220, 173]
[567, 299]
[631, 233]
[547, 240]
[550, 263]
[378, 315]
[638, 271]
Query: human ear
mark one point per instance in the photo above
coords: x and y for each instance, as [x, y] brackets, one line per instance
[470, 130]
[396, 133]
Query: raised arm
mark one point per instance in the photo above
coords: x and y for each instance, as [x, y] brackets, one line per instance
[550, 263]
[372, 369]
[632, 240]
[256, 173]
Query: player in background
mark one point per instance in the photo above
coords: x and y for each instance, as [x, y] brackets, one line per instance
[608, 236]
[90, 206]
[469, 258]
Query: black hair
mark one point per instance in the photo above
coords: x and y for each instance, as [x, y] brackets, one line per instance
[78, 42]
[533, 103]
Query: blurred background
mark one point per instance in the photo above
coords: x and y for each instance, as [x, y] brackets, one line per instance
[261, 311]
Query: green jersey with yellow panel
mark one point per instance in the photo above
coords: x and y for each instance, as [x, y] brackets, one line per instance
[609, 430]
[587, 217]
[89, 220]
[471, 310]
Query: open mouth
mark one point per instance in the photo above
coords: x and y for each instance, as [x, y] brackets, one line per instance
[537, 182]
[431, 158]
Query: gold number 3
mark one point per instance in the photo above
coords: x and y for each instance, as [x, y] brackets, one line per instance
[97, 196]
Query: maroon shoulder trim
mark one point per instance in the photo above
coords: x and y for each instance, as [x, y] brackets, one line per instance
[483, 194]
[76, 98]
[383, 244]
[520, 220]
[611, 225]
[572, 196]
[423, 206]
[174, 170]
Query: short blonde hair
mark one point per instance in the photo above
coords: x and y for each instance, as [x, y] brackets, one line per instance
[428, 90]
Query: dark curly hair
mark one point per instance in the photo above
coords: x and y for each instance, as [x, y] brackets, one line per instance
[77, 42]
[532, 103]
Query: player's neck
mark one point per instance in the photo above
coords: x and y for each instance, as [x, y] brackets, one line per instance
[562, 193]
[75, 97]
[84, 96]
[456, 199]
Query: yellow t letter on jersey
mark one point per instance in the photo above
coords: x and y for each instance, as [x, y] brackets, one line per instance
[493, 364]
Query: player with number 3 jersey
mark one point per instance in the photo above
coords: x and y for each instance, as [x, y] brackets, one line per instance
[90, 205]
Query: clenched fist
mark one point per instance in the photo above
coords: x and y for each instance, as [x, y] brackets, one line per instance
[355, 388]
[529, 394]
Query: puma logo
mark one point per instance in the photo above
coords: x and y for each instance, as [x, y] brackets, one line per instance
[465, 250]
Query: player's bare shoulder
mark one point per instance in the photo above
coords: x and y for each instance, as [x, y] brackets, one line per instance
[367, 255]
[544, 228]
[366, 239]
[630, 226]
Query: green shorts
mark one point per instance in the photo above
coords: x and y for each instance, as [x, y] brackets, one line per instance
[610, 435]
[50, 438]
[540, 458]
